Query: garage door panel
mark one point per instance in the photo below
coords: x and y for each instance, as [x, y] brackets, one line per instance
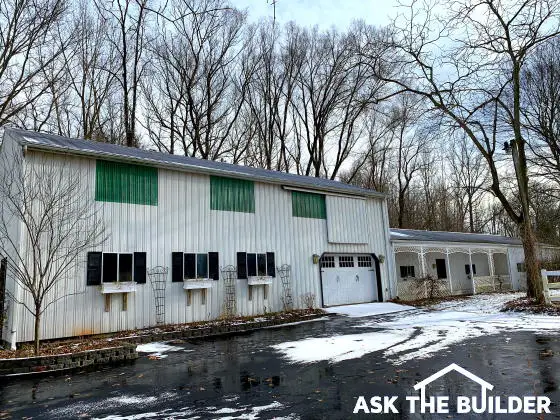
[348, 279]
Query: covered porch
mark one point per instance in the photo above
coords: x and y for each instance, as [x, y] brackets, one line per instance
[431, 271]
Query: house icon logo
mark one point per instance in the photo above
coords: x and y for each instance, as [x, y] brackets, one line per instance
[440, 404]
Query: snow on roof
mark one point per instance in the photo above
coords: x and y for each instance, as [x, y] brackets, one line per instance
[44, 141]
[439, 236]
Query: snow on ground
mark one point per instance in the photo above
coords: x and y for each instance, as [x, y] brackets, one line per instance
[340, 347]
[423, 333]
[157, 349]
[245, 412]
[368, 309]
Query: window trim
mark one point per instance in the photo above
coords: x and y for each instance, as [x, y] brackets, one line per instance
[408, 271]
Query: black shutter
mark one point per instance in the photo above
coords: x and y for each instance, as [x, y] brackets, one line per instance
[93, 269]
[140, 267]
[213, 266]
[190, 266]
[251, 265]
[241, 265]
[270, 264]
[177, 266]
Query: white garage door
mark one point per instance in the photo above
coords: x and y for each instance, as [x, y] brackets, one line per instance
[348, 279]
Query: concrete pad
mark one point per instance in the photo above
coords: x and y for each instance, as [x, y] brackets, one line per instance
[368, 309]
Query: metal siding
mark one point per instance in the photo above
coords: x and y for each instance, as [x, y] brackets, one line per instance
[125, 183]
[231, 194]
[308, 205]
[346, 220]
[184, 221]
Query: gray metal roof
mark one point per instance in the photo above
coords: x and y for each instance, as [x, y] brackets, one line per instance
[437, 236]
[43, 141]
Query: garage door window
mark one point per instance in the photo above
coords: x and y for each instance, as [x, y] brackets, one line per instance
[327, 261]
[364, 261]
[346, 261]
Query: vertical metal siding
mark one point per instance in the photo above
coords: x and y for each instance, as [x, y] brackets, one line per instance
[346, 221]
[231, 194]
[308, 205]
[184, 221]
[125, 183]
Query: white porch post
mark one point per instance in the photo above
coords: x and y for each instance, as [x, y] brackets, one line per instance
[448, 263]
[491, 267]
[422, 258]
[471, 271]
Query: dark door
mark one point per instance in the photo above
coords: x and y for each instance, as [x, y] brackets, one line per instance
[441, 268]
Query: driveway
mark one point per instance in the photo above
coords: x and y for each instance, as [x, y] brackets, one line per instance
[314, 369]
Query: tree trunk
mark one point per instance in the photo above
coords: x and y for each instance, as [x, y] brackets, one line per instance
[534, 281]
[37, 333]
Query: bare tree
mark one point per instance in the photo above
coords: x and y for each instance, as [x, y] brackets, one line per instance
[128, 36]
[469, 179]
[540, 89]
[28, 36]
[59, 223]
[466, 59]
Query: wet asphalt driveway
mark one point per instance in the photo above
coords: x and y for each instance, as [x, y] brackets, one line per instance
[246, 377]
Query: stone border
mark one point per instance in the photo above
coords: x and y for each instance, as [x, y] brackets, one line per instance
[127, 348]
[60, 362]
[215, 330]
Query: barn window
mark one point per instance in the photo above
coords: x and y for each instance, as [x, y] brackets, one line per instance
[364, 261]
[185, 266]
[231, 194]
[346, 261]
[119, 182]
[308, 205]
[327, 261]
[111, 267]
[254, 264]
[407, 271]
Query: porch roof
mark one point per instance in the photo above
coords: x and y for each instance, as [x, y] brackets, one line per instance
[405, 235]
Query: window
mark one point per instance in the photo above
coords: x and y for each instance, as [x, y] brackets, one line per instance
[468, 270]
[231, 194]
[253, 264]
[364, 261]
[346, 261]
[521, 267]
[119, 182]
[188, 266]
[110, 267]
[308, 205]
[327, 261]
[407, 271]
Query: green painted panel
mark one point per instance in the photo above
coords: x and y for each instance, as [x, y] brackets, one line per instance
[231, 194]
[308, 205]
[118, 182]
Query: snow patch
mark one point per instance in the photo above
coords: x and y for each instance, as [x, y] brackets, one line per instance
[340, 347]
[368, 309]
[157, 349]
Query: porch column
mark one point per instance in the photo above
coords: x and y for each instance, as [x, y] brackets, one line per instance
[448, 264]
[471, 271]
[421, 257]
[491, 267]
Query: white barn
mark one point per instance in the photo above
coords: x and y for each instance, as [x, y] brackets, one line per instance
[465, 263]
[196, 217]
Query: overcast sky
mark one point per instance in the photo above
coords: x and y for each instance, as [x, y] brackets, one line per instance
[325, 13]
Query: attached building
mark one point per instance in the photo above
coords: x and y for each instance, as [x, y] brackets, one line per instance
[464, 263]
[196, 218]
